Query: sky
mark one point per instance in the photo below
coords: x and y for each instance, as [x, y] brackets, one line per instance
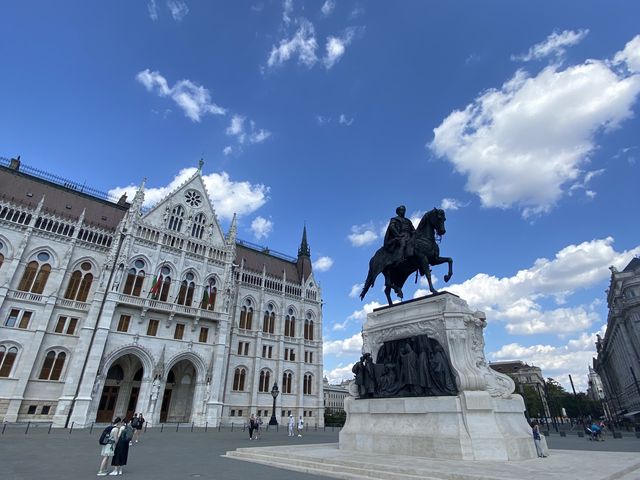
[520, 119]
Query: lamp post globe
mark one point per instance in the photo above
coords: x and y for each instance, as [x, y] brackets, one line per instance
[274, 393]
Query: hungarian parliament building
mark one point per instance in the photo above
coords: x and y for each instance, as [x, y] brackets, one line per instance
[108, 308]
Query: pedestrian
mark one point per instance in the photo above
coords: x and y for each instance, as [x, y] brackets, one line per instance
[292, 422]
[134, 425]
[259, 422]
[110, 436]
[300, 426]
[252, 426]
[537, 440]
[137, 427]
[121, 452]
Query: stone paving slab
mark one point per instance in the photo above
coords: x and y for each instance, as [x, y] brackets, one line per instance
[328, 460]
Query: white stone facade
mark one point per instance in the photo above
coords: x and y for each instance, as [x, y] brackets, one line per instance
[85, 336]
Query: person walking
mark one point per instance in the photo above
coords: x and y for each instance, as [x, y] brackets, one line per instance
[121, 452]
[300, 426]
[137, 426]
[535, 429]
[259, 428]
[291, 424]
[108, 448]
[252, 426]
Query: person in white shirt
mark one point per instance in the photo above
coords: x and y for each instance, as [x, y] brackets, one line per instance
[292, 422]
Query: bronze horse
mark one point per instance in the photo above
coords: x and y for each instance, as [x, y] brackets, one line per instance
[426, 253]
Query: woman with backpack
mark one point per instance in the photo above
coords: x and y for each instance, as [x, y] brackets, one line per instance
[121, 452]
[108, 440]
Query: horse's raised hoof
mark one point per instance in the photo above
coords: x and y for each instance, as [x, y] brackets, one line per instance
[433, 290]
[447, 277]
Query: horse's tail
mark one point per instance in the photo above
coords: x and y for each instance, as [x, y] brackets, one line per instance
[368, 283]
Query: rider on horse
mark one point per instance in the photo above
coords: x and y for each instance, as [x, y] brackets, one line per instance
[398, 240]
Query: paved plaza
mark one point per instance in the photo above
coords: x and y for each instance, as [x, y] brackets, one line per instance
[185, 454]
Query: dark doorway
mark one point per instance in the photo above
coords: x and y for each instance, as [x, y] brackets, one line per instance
[133, 400]
[107, 404]
[166, 401]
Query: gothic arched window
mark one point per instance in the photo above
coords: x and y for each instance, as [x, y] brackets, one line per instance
[209, 295]
[1, 254]
[36, 274]
[269, 320]
[135, 278]
[306, 388]
[287, 377]
[308, 327]
[246, 315]
[239, 378]
[185, 295]
[265, 377]
[7, 359]
[175, 221]
[80, 283]
[53, 365]
[197, 228]
[290, 324]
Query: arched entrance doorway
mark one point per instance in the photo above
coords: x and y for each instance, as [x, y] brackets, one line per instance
[121, 389]
[177, 400]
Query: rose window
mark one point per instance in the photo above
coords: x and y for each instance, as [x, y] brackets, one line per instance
[193, 198]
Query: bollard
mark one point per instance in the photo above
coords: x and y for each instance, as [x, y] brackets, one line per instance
[145, 426]
[27, 430]
[50, 425]
[71, 429]
[161, 428]
[316, 427]
[244, 427]
[232, 426]
[4, 425]
[306, 428]
[177, 426]
[206, 425]
[324, 428]
[192, 426]
[219, 425]
[277, 427]
[91, 429]
[333, 428]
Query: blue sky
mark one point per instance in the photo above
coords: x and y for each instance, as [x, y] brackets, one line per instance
[519, 117]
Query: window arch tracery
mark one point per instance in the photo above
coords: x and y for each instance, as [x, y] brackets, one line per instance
[53, 365]
[135, 279]
[36, 274]
[80, 283]
[176, 218]
[198, 226]
[269, 319]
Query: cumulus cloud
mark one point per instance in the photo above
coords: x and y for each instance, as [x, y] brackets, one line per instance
[338, 374]
[327, 7]
[516, 300]
[358, 315]
[347, 346]
[178, 9]
[356, 289]
[194, 99]
[362, 235]
[546, 123]
[451, 204]
[323, 264]
[261, 227]
[227, 196]
[253, 135]
[302, 44]
[630, 55]
[554, 45]
[336, 47]
[152, 8]
[557, 362]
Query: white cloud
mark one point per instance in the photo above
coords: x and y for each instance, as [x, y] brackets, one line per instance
[343, 120]
[347, 346]
[630, 55]
[336, 46]
[451, 204]
[178, 9]
[302, 45]
[557, 362]
[152, 8]
[515, 300]
[356, 289]
[545, 123]
[228, 197]
[327, 7]
[323, 264]
[227, 151]
[237, 129]
[340, 373]
[358, 315]
[554, 45]
[287, 9]
[261, 227]
[194, 99]
[362, 235]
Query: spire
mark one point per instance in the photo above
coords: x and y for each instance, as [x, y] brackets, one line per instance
[304, 258]
[200, 165]
[233, 230]
[138, 198]
[304, 250]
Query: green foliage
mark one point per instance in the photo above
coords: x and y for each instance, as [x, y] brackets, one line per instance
[334, 417]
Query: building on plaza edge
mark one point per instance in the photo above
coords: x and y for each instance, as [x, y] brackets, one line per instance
[107, 309]
[525, 375]
[618, 360]
[334, 396]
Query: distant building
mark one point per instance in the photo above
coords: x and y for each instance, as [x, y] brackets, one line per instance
[618, 360]
[524, 375]
[334, 396]
[595, 390]
[108, 308]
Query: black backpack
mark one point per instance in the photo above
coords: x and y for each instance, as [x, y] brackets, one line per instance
[105, 436]
[135, 423]
[127, 434]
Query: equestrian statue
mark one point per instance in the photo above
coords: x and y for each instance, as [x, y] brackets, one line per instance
[407, 250]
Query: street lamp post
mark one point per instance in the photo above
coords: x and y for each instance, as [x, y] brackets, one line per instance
[274, 393]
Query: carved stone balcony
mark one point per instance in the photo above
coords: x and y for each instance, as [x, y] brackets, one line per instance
[166, 307]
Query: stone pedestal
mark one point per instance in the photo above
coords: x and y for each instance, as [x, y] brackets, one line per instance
[485, 421]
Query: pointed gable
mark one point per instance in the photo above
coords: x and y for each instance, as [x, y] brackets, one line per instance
[187, 210]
